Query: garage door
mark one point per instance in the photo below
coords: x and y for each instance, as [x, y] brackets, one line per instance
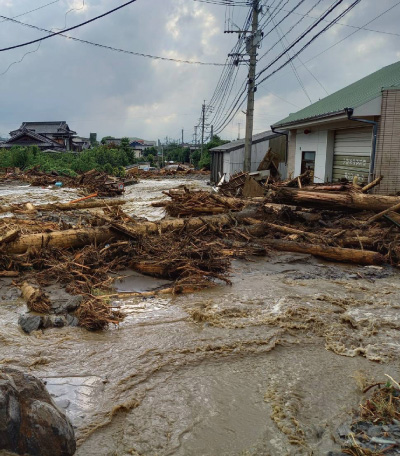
[352, 154]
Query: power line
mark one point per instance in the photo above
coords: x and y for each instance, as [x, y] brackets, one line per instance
[310, 41]
[33, 10]
[353, 26]
[68, 29]
[353, 33]
[304, 34]
[240, 100]
[110, 48]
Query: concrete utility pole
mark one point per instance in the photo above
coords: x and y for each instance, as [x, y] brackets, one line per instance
[252, 44]
[212, 133]
[203, 121]
[182, 137]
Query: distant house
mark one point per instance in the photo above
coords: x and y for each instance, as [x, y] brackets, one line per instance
[79, 143]
[228, 159]
[353, 132]
[55, 136]
[137, 144]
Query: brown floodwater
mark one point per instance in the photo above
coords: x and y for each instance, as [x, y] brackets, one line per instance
[267, 366]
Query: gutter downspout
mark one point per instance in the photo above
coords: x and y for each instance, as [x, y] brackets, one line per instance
[349, 112]
[287, 141]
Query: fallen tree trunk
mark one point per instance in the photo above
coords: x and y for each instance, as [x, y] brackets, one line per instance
[363, 257]
[59, 239]
[63, 206]
[80, 237]
[336, 201]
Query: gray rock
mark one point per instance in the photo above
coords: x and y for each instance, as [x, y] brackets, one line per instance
[67, 305]
[343, 430]
[30, 322]
[72, 321]
[374, 431]
[30, 422]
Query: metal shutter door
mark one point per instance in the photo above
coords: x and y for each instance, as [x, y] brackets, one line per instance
[352, 154]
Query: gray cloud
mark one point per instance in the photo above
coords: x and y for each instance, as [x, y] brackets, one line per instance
[117, 94]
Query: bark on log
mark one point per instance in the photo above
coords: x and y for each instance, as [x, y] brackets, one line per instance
[9, 236]
[363, 257]
[261, 229]
[376, 217]
[59, 239]
[372, 184]
[65, 206]
[336, 201]
[35, 299]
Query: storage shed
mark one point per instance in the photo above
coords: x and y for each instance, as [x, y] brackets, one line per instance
[228, 159]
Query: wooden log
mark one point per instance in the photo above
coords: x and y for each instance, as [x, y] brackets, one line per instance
[260, 229]
[393, 217]
[59, 239]
[376, 217]
[9, 273]
[36, 300]
[8, 236]
[363, 257]
[372, 184]
[66, 206]
[336, 201]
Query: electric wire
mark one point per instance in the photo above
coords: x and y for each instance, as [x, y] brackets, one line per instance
[111, 48]
[68, 29]
[240, 99]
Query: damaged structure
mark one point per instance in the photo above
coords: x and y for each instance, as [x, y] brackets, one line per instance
[228, 159]
[354, 132]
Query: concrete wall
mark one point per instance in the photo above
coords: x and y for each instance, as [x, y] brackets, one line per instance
[387, 160]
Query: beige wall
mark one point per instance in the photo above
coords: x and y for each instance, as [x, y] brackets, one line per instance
[291, 153]
[387, 161]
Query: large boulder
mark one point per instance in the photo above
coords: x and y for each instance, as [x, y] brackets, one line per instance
[30, 422]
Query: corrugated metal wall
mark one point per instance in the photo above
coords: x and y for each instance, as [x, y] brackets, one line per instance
[352, 153]
[387, 163]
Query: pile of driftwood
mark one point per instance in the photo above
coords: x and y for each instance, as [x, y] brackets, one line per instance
[185, 203]
[94, 182]
[191, 248]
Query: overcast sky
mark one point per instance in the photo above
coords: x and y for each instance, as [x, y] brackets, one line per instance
[97, 90]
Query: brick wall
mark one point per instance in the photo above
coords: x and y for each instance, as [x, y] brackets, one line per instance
[291, 153]
[387, 160]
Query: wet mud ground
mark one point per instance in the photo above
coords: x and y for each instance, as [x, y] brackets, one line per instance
[267, 366]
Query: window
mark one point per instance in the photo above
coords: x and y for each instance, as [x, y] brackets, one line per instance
[307, 161]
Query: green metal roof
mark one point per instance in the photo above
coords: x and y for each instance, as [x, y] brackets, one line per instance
[352, 96]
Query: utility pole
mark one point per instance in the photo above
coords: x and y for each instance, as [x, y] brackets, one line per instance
[182, 137]
[203, 121]
[239, 124]
[251, 46]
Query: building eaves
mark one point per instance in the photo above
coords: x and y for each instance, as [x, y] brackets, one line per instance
[352, 96]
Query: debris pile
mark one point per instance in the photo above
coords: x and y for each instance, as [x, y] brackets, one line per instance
[93, 181]
[193, 246]
[375, 430]
[185, 203]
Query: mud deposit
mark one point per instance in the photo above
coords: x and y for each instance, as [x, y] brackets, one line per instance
[267, 366]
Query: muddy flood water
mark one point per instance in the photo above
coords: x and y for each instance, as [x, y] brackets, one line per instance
[269, 366]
